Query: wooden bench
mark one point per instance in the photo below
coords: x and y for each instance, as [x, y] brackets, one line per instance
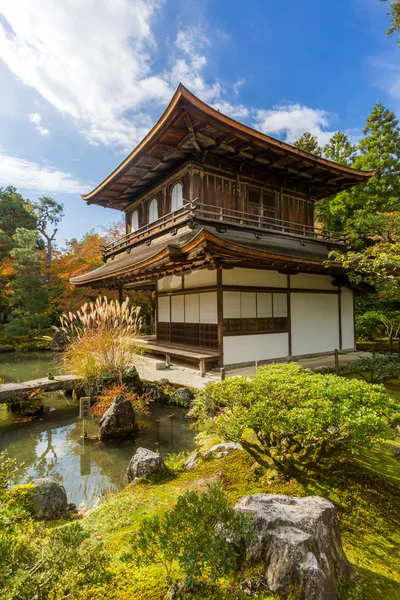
[200, 356]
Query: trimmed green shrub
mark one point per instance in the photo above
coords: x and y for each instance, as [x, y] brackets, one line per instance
[375, 368]
[197, 534]
[287, 415]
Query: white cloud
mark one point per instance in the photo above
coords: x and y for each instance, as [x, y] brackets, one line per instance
[292, 120]
[32, 176]
[36, 119]
[90, 59]
[93, 61]
[189, 70]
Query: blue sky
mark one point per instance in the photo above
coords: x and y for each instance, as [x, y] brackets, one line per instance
[83, 80]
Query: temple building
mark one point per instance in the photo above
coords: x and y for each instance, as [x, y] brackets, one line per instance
[220, 224]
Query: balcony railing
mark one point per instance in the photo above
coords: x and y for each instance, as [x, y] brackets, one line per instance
[198, 211]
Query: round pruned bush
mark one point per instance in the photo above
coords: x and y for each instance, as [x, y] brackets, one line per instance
[286, 415]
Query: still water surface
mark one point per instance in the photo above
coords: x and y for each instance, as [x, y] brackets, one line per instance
[53, 444]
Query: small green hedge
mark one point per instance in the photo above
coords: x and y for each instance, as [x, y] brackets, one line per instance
[287, 415]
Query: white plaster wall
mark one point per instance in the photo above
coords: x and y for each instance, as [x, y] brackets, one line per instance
[171, 282]
[348, 341]
[264, 305]
[249, 305]
[163, 313]
[203, 278]
[308, 281]
[177, 308]
[231, 303]
[248, 348]
[315, 323]
[253, 277]
[280, 305]
[192, 308]
[208, 307]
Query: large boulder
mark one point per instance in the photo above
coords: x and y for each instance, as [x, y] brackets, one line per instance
[298, 540]
[118, 421]
[144, 463]
[154, 392]
[182, 397]
[49, 499]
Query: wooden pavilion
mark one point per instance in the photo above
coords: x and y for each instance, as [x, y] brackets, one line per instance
[220, 224]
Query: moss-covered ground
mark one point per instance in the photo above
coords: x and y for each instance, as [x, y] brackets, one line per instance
[364, 488]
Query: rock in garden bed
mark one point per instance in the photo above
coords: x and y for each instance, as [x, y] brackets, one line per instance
[219, 451]
[118, 421]
[44, 498]
[298, 541]
[182, 397]
[145, 463]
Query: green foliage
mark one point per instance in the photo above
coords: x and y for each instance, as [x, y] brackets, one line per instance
[340, 150]
[8, 470]
[197, 534]
[394, 14]
[369, 325]
[375, 368]
[308, 143]
[15, 212]
[48, 213]
[287, 415]
[29, 300]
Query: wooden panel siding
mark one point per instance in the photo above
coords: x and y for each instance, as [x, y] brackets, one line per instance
[194, 335]
[256, 325]
[223, 189]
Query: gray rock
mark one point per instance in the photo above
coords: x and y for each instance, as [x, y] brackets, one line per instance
[191, 462]
[154, 392]
[163, 382]
[144, 463]
[49, 500]
[58, 342]
[118, 421]
[182, 397]
[298, 540]
[132, 380]
[221, 451]
[223, 448]
[323, 370]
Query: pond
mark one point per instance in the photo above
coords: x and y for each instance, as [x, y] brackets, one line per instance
[53, 444]
[15, 367]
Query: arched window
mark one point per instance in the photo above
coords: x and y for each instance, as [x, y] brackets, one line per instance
[135, 221]
[176, 197]
[153, 210]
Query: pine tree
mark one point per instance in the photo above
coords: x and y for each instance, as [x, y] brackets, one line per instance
[48, 213]
[394, 15]
[29, 300]
[308, 143]
[340, 150]
[15, 212]
[380, 151]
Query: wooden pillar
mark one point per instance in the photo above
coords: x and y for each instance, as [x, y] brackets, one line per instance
[289, 316]
[220, 313]
[120, 289]
[340, 317]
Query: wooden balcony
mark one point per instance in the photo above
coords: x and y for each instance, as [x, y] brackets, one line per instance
[196, 212]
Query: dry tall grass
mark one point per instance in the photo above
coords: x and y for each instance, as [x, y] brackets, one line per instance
[101, 340]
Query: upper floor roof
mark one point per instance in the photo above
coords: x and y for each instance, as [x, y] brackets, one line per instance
[190, 128]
